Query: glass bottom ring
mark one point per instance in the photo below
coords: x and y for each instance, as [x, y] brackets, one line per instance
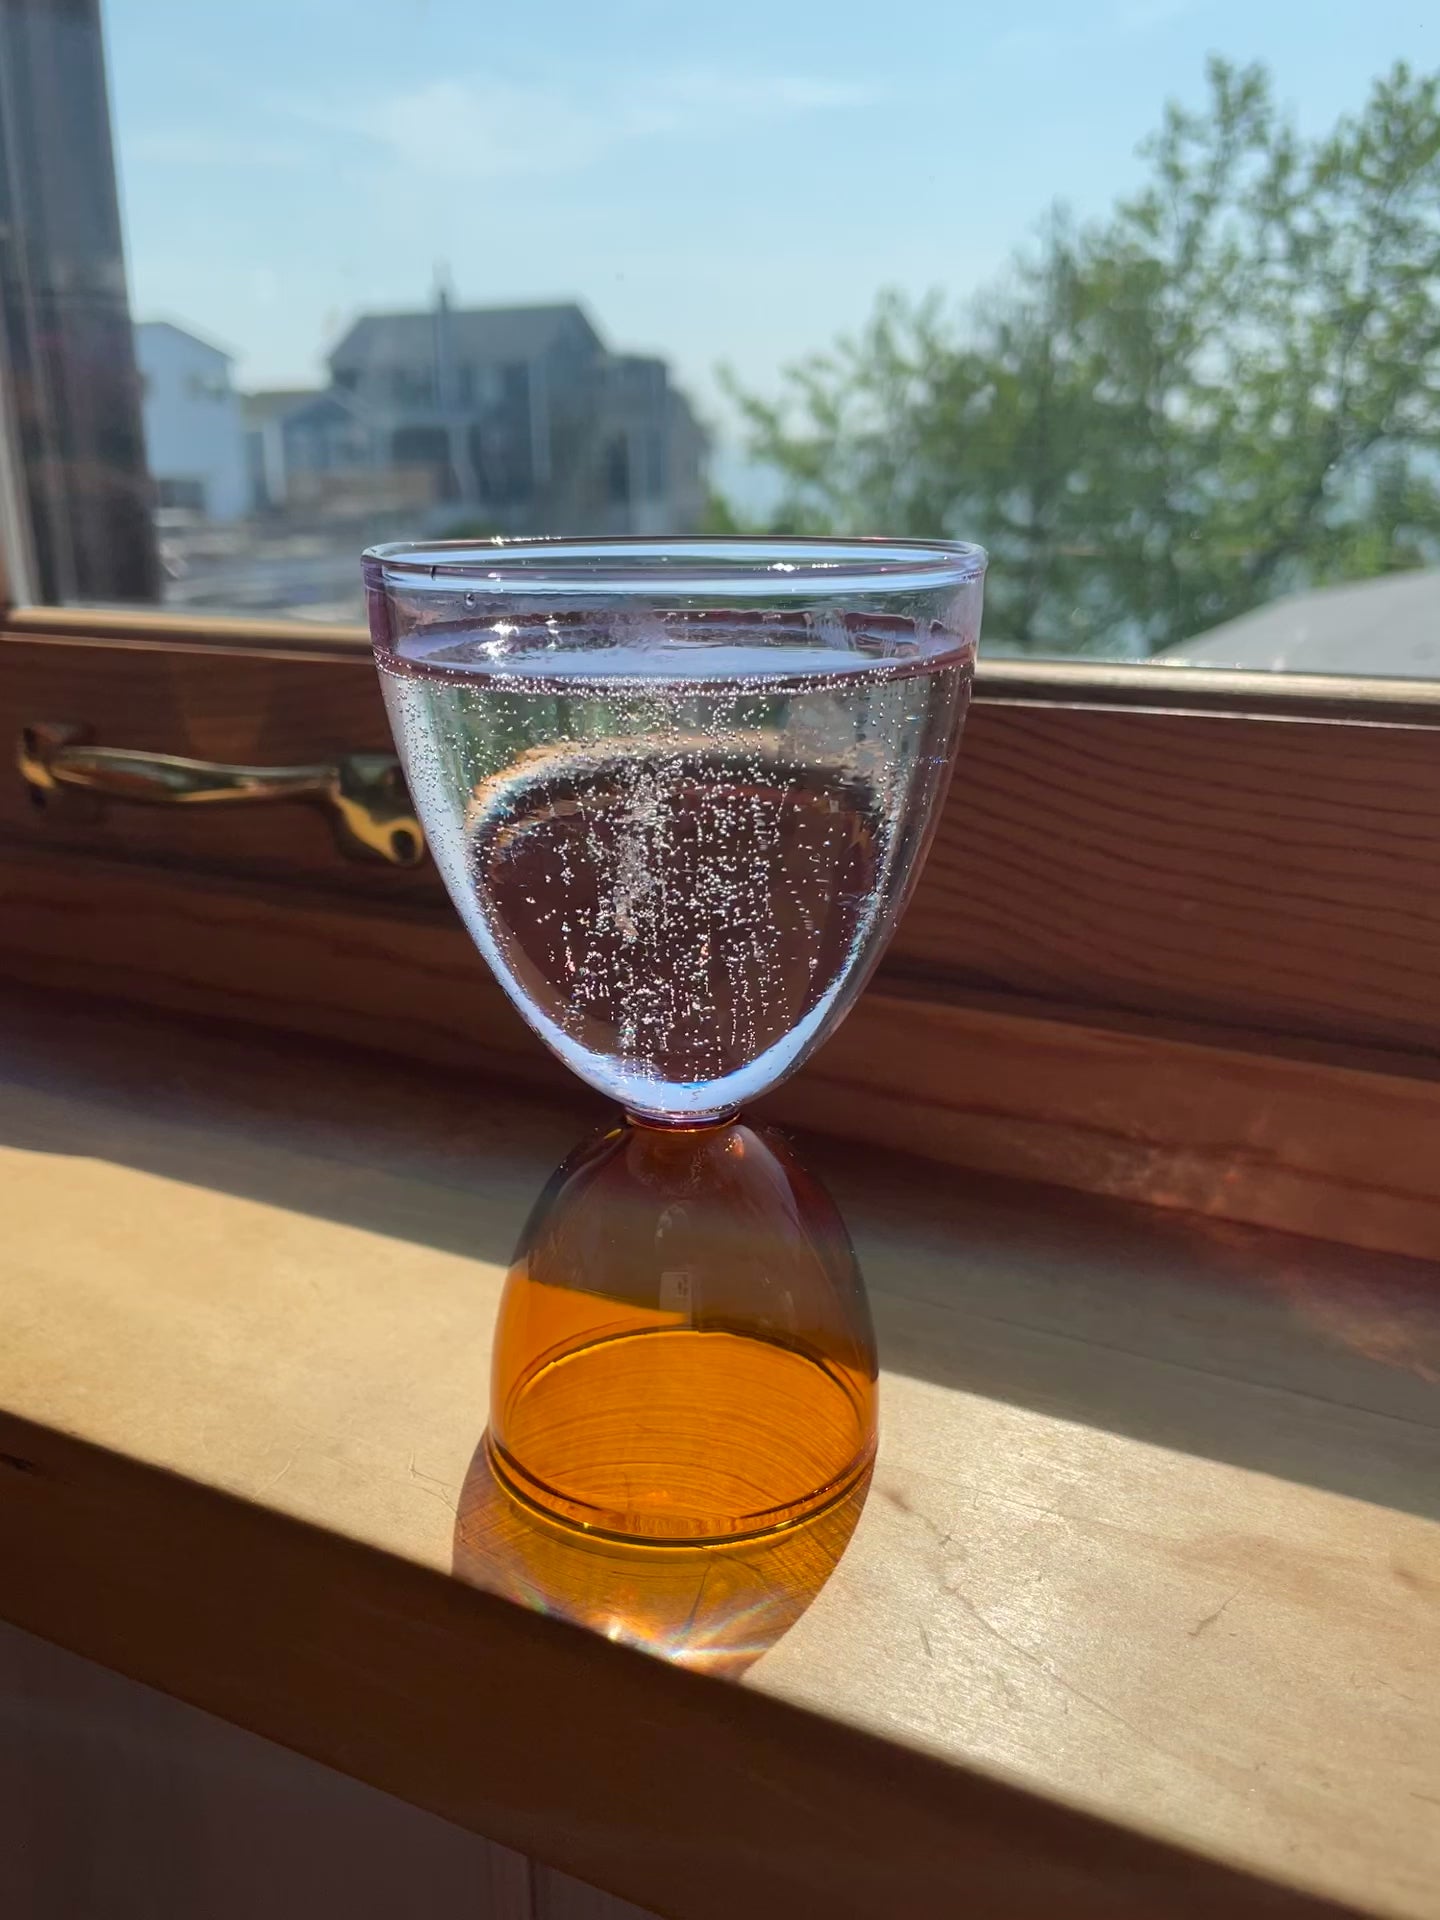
[683, 1438]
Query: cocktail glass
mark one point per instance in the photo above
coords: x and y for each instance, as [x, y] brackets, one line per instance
[679, 791]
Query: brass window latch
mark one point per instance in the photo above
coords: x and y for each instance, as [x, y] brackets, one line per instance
[363, 793]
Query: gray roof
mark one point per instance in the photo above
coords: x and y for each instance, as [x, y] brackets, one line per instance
[1385, 626]
[273, 403]
[185, 333]
[476, 333]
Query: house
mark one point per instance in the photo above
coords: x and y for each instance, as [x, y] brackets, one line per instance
[315, 452]
[263, 417]
[1389, 625]
[520, 418]
[194, 440]
[652, 450]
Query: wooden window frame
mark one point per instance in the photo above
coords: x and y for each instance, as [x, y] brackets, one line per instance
[1179, 936]
[1178, 939]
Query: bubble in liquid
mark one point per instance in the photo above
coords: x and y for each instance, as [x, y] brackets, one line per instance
[677, 877]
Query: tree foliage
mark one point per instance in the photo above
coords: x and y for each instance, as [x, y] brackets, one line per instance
[1228, 388]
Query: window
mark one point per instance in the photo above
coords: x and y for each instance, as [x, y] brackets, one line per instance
[617, 469]
[412, 386]
[1172, 360]
[654, 465]
[207, 386]
[1131, 840]
[188, 496]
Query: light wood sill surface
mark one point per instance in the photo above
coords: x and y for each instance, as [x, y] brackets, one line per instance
[1142, 1616]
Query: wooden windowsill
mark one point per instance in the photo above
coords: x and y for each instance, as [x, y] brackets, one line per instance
[1140, 1617]
[1385, 701]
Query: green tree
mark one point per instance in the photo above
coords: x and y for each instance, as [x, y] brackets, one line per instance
[1227, 389]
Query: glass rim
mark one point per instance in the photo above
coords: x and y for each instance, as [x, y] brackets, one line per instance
[751, 565]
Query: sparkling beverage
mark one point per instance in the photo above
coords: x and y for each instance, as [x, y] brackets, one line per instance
[680, 840]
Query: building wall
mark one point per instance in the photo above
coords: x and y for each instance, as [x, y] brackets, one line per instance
[64, 312]
[265, 463]
[193, 429]
[565, 439]
[649, 461]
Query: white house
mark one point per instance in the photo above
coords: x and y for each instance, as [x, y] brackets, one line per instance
[194, 437]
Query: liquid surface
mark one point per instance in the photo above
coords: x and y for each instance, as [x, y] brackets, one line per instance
[678, 1434]
[680, 859]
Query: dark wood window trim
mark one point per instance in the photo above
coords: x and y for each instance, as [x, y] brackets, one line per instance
[1179, 936]
[1279, 696]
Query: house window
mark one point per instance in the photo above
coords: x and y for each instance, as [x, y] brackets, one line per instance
[654, 445]
[184, 496]
[617, 469]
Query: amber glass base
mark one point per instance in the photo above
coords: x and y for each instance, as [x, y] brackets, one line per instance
[685, 1435]
[712, 1606]
[684, 1350]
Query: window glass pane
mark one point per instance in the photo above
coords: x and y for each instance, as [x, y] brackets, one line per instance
[1144, 295]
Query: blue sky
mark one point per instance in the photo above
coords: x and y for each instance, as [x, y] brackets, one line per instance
[716, 182]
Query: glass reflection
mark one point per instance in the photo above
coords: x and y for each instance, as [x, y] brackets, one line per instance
[683, 1352]
[714, 1609]
[683, 1402]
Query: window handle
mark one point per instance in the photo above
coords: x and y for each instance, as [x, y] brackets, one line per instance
[364, 793]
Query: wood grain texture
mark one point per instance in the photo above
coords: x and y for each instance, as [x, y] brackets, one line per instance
[118, 1803]
[1214, 868]
[1140, 1617]
[157, 630]
[1108, 683]
[1341, 1146]
[1232, 868]
[1319, 1144]
[248, 708]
